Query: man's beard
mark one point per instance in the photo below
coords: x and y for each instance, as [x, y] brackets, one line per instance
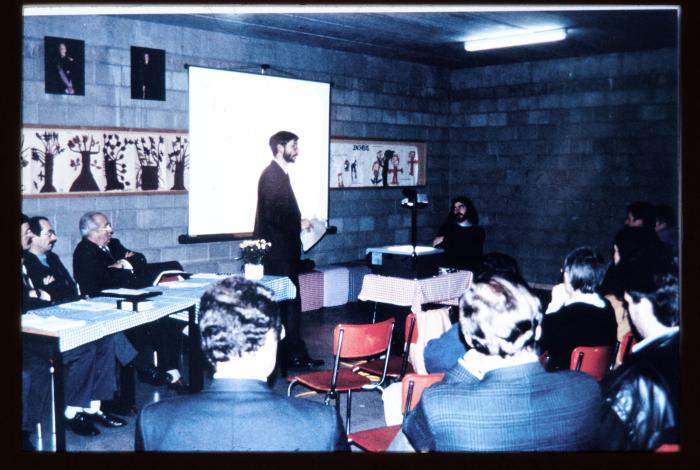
[460, 217]
[288, 157]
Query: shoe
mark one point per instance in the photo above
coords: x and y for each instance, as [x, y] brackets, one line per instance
[303, 362]
[81, 425]
[179, 386]
[117, 408]
[153, 376]
[105, 419]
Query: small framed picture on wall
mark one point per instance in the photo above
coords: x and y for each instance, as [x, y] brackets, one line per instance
[64, 66]
[147, 74]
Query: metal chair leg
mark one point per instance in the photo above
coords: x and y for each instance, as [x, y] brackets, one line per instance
[348, 412]
[289, 388]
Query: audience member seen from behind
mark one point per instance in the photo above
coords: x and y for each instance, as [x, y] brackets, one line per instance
[641, 214]
[240, 331]
[641, 397]
[441, 354]
[577, 314]
[634, 252]
[499, 397]
[461, 236]
[667, 228]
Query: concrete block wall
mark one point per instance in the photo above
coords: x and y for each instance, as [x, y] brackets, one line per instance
[371, 98]
[551, 152]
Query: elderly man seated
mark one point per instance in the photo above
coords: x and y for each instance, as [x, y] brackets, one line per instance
[499, 397]
[241, 328]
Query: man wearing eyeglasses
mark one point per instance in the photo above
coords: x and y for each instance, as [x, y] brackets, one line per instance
[90, 375]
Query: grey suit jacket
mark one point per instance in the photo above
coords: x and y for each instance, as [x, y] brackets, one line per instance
[241, 416]
[518, 408]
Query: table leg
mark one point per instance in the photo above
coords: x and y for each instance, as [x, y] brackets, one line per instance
[59, 402]
[196, 359]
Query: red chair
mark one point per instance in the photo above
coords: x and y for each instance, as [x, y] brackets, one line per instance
[593, 360]
[349, 342]
[668, 448]
[379, 439]
[626, 345]
[398, 365]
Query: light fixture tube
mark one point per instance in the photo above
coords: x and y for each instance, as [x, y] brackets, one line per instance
[534, 37]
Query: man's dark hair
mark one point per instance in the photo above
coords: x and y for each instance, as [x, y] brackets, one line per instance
[471, 214]
[35, 224]
[643, 210]
[658, 283]
[235, 316]
[500, 264]
[585, 268]
[281, 138]
[25, 219]
[666, 215]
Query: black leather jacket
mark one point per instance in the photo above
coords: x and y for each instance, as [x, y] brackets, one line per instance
[640, 399]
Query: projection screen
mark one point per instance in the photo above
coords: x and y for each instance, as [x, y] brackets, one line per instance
[232, 116]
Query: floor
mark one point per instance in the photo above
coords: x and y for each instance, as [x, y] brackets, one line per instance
[317, 329]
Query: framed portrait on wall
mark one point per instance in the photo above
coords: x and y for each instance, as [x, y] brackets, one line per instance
[147, 73]
[64, 66]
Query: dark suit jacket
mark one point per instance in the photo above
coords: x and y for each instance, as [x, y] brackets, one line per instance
[278, 220]
[63, 288]
[239, 415]
[92, 271]
[576, 324]
[518, 408]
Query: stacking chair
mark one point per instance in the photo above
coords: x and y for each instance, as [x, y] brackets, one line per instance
[626, 345]
[349, 342]
[593, 360]
[398, 365]
[379, 439]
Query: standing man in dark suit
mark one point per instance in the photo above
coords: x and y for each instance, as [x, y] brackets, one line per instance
[278, 220]
[240, 329]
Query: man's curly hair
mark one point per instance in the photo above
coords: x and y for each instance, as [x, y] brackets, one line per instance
[235, 316]
[499, 316]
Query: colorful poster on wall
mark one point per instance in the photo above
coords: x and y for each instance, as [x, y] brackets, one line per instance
[78, 160]
[362, 163]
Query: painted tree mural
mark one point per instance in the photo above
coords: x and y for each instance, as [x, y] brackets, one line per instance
[52, 148]
[150, 155]
[178, 160]
[86, 148]
[115, 169]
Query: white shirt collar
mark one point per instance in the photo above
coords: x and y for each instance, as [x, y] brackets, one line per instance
[479, 364]
[643, 343]
[586, 298]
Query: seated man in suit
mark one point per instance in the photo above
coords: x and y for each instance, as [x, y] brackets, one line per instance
[577, 314]
[90, 377]
[102, 262]
[241, 328]
[498, 397]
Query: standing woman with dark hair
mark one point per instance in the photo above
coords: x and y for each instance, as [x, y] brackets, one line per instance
[461, 236]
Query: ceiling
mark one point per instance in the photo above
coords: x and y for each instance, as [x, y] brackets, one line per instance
[436, 38]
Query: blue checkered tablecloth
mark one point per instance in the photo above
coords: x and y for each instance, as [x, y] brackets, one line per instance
[282, 288]
[102, 323]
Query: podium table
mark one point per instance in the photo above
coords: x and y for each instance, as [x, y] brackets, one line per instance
[443, 289]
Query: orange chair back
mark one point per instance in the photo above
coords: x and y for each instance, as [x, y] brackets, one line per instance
[363, 340]
[412, 387]
[626, 345]
[593, 360]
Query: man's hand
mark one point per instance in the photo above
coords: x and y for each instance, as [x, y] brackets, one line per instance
[437, 240]
[128, 254]
[306, 225]
[48, 280]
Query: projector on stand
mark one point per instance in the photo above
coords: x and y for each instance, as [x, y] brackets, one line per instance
[400, 261]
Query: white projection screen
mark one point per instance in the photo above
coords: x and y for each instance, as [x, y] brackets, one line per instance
[232, 116]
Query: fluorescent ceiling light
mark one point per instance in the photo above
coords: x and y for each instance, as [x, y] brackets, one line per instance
[532, 37]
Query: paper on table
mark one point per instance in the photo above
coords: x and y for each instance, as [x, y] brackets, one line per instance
[184, 285]
[51, 323]
[309, 238]
[127, 292]
[210, 276]
[89, 305]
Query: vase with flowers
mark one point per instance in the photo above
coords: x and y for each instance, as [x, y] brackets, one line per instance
[252, 253]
